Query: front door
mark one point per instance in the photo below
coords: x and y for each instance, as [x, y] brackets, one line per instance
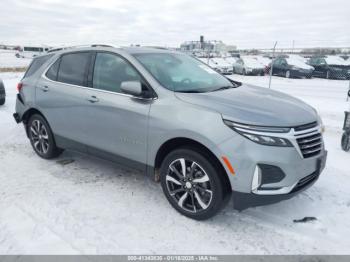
[116, 122]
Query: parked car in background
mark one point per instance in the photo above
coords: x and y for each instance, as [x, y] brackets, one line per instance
[30, 51]
[291, 67]
[330, 67]
[265, 61]
[231, 60]
[218, 64]
[202, 135]
[248, 66]
[2, 93]
[222, 66]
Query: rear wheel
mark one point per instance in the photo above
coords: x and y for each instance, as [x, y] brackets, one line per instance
[41, 137]
[345, 142]
[2, 93]
[192, 184]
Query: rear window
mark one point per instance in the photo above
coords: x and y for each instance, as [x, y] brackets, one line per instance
[36, 64]
[73, 68]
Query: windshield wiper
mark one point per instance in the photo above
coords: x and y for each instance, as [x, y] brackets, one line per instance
[222, 88]
[189, 91]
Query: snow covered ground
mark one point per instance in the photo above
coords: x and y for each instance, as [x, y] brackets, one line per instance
[91, 206]
[8, 59]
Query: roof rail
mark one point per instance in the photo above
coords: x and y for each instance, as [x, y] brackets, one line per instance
[77, 46]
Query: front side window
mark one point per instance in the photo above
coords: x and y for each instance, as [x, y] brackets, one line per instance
[182, 73]
[110, 71]
[73, 68]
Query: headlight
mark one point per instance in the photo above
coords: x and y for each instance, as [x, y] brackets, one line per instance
[255, 134]
[320, 122]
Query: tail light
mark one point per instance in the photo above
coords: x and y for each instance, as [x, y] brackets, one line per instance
[19, 86]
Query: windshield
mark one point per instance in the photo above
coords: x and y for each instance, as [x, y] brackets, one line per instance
[182, 73]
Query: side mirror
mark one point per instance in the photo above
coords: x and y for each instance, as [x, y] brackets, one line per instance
[131, 88]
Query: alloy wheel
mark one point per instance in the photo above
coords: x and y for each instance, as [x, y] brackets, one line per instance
[39, 137]
[189, 185]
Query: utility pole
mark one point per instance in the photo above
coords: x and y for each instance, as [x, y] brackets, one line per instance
[293, 48]
[273, 59]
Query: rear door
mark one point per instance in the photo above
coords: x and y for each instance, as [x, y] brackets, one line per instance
[116, 122]
[61, 96]
[276, 70]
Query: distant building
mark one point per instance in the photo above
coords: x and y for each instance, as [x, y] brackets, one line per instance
[213, 46]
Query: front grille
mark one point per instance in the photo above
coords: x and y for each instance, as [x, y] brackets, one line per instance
[310, 145]
[306, 126]
[305, 181]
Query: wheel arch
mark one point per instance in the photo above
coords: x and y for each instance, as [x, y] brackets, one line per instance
[181, 142]
[27, 114]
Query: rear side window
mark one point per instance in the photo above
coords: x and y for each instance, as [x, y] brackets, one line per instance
[73, 68]
[36, 64]
[53, 70]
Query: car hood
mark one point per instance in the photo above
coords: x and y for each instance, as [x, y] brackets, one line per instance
[255, 106]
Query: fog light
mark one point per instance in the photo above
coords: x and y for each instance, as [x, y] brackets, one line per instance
[256, 179]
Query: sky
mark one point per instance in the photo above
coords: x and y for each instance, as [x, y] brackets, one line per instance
[244, 23]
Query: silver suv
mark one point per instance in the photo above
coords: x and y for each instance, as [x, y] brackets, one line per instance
[203, 136]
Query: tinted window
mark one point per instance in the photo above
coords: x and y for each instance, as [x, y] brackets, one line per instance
[277, 62]
[110, 71]
[53, 70]
[36, 64]
[73, 68]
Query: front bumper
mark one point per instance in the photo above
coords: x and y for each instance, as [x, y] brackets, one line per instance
[256, 71]
[243, 201]
[298, 169]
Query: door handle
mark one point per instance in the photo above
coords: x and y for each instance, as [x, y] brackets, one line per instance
[45, 88]
[93, 99]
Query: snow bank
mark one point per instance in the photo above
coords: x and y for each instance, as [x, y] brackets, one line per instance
[91, 206]
[9, 60]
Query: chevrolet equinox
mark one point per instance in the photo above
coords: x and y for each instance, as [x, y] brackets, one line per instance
[203, 136]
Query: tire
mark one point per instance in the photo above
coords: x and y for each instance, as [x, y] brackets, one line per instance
[41, 137]
[244, 72]
[2, 93]
[202, 192]
[288, 75]
[345, 142]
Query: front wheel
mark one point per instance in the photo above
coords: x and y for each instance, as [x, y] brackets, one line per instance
[192, 184]
[287, 74]
[345, 142]
[41, 137]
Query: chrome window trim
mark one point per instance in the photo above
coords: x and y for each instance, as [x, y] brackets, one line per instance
[43, 75]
